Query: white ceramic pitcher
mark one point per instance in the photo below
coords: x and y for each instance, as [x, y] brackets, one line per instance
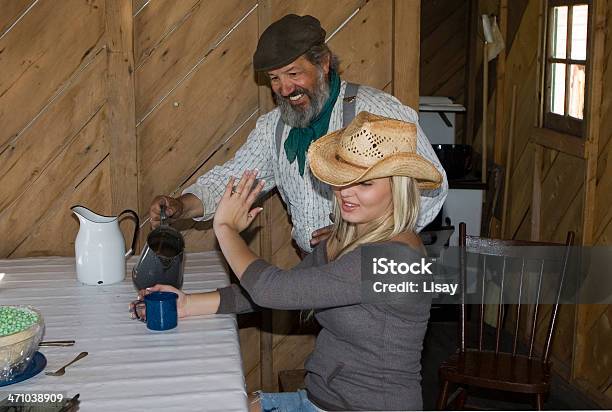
[99, 247]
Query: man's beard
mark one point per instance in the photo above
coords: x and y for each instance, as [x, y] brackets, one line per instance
[296, 116]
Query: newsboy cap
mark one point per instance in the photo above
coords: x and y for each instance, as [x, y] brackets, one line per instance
[285, 40]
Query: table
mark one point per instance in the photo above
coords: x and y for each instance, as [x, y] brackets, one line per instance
[196, 366]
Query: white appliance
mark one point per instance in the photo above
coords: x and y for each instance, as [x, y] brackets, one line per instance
[437, 119]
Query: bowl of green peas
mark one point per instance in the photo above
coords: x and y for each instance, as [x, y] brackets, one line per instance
[21, 329]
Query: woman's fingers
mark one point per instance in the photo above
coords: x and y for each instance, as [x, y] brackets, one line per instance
[242, 184]
[255, 193]
[253, 214]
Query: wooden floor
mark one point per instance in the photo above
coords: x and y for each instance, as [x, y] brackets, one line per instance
[440, 342]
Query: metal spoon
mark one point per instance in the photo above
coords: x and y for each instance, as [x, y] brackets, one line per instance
[62, 370]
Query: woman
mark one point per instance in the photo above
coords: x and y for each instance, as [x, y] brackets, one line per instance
[367, 355]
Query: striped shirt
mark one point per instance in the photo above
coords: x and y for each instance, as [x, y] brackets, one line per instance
[309, 201]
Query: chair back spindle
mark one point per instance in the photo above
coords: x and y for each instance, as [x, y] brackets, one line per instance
[509, 281]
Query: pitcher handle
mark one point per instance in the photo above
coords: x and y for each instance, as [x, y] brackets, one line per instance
[136, 227]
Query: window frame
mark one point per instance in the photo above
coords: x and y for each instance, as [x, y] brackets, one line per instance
[565, 123]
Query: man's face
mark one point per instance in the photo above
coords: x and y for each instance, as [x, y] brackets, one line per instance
[301, 89]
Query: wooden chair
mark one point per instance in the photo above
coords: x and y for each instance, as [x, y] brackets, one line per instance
[494, 369]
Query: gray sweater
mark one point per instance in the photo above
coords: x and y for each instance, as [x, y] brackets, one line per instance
[367, 356]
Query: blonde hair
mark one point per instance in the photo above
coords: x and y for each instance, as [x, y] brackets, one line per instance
[401, 218]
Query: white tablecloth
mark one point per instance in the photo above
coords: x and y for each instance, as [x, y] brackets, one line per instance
[196, 366]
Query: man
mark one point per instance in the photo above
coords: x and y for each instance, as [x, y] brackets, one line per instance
[312, 101]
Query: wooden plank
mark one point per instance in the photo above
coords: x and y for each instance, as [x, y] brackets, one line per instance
[594, 360]
[365, 46]
[156, 21]
[40, 55]
[186, 128]
[560, 142]
[536, 198]
[187, 48]
[84, 153]
[406, 51]
[508, 161]
[558, 189]
[55, 234]
[49, 134]
[443, 59]
[121, 125]
[433, 17]
[471, 71]
[11, 11]
[331, 18]
[593, 107]
[500, 94]
[520, 189]
[571, 220]
[603, 211]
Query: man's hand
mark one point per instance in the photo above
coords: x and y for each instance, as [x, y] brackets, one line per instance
[320, 235]
[174, 209]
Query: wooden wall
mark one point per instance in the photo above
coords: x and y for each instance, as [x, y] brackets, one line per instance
[66, 136]
[444, 57]
[107, 103]
[550, 185]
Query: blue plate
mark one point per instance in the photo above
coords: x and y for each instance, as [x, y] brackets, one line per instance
[37, 364]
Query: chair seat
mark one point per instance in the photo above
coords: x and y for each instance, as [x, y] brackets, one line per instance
[500, 371]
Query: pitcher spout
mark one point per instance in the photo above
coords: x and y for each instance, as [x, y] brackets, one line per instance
[86, 215]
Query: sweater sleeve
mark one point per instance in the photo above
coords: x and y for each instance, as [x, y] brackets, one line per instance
[337, 283]
[234, 299]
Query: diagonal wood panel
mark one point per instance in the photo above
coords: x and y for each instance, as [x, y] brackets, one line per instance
[558, 190]
[39, 54]
[520, 190]
[84, 153]
[178, 53]
[11, 11]
[51, 132]
[175, 138]
[330, 17]
[92, 193]
[364, 45]
[154, 22]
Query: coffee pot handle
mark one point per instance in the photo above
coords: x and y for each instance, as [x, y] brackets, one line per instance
[136, 227]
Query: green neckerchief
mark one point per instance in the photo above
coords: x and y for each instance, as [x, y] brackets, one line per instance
[296, 145]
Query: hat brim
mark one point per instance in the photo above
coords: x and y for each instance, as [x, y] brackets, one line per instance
[328, 168]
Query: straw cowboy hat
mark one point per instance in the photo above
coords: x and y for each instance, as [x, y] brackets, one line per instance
[371, 147]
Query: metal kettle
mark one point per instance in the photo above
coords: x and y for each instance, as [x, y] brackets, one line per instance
[162, 258]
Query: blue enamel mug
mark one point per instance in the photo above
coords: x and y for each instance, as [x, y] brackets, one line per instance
[161, 311]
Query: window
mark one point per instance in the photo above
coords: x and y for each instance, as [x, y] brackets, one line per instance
[566, 65]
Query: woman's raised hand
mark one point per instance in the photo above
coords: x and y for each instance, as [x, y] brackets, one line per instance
[234, 209]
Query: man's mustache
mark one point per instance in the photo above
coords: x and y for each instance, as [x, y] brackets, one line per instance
[296, 92]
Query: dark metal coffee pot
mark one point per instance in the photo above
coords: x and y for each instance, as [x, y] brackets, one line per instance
[162, 258]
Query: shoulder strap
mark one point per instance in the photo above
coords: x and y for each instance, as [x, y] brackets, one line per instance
[349, 103]
[278, 135]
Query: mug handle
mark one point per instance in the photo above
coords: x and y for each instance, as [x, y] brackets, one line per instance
[136, 304]
[137, 220]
